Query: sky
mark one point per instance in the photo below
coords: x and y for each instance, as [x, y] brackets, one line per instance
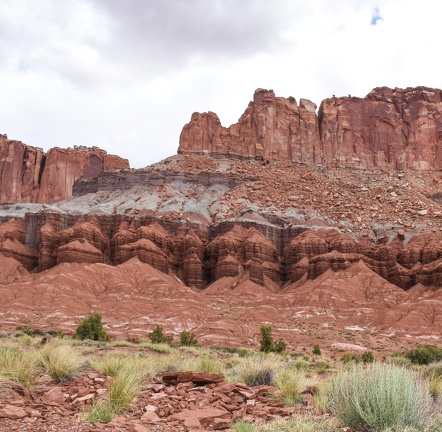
[126, 75]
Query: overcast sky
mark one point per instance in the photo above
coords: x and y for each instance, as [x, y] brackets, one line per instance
[126, 75]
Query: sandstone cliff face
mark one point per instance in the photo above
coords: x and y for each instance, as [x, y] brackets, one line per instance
[27, 174]
[389, 128]
[20, 170]
[270, 128]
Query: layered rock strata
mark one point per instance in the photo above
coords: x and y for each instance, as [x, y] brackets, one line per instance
[27, 174]
[389, 128]
[268, 255]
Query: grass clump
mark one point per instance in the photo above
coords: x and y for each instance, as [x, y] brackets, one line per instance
[91, 328]
[299, 424]
[380, 396]
[255, 370]
[243, 426]
[100, 412]
[127, 374]
[316, 350]
[126, 384]
[60, 361]
[19, 365]
[288, 384]
[321, 399]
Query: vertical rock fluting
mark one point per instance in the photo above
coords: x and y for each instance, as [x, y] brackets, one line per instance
[243, 251]
[27, 174]
[389, 128]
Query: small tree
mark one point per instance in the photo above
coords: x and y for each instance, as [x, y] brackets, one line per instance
[188, 339]
[266, 339]
[316, 350]
[91, 328]
[157, 336]
[267, 342]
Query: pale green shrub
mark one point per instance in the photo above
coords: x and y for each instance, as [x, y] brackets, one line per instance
[380, 396]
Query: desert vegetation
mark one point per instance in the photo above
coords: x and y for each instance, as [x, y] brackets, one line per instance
[319, 393]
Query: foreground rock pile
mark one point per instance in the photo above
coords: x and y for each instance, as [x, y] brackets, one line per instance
[180, 401]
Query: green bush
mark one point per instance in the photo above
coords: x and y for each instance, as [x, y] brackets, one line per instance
[188, 339]
[424, 355]
[316, 350]
[381, 396]
[348, 358]
[367, 357]
[267, 342]
[91, 328]
[158, 337]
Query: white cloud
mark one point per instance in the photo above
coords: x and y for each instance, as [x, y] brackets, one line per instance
[126, 76]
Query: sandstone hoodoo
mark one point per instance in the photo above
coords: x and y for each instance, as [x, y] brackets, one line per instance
[389, 128]
[266, 221]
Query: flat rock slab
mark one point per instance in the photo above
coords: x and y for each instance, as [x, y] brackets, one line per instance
[204, 415]
[194, 377]
[12, 412]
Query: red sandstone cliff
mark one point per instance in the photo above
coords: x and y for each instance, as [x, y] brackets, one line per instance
[389, 128]
[27, 174]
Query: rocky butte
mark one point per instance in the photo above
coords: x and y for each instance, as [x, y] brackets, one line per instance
[319, 222]
[27, 174]
[396, 129]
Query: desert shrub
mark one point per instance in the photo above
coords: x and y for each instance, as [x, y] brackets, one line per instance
[367, 357]
[158, 337]
[279, 346]
[18, 365]
[60, 361]
[268, 344]
[380, 396]
[348, 358]
[424, 355]
[316, 350]
[91, 328]
[188, 339]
